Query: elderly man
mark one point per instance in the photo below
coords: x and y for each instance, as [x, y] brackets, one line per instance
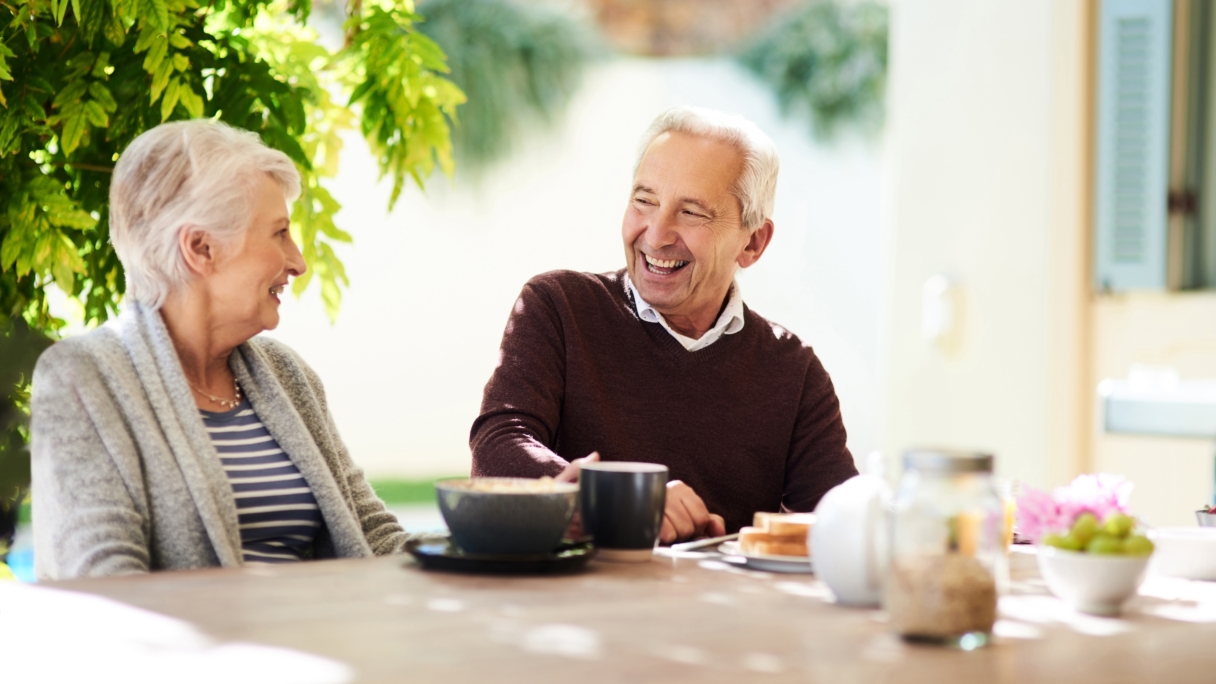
[662, 361]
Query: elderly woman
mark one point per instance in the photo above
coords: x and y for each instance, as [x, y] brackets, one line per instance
[173, 437]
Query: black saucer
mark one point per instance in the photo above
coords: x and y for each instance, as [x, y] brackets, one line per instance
[443, 554]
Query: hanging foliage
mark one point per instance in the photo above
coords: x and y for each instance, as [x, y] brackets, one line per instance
[518, 63]
[827, 61]
[80, 79]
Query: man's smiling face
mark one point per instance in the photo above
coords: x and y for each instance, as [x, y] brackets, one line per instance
[682, 231]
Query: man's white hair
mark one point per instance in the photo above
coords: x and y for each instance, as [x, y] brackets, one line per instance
[756, 187]
[199, 173]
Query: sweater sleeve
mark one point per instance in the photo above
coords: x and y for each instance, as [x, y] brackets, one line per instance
[87, 522]
[818, 458]
[521, 407]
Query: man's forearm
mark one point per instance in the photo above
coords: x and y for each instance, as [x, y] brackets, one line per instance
[504, 446]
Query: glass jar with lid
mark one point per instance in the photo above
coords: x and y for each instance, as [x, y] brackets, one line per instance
[947, 553]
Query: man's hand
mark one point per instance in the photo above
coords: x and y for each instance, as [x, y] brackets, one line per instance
[570, 474]
[685, 516]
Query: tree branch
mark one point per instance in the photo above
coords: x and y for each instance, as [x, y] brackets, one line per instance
[84, 167]
[69, 45]
[354, 8]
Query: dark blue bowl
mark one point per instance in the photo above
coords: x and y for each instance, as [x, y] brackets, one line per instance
[507, 515]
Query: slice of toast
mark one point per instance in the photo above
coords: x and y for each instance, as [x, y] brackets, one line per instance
[753, 540]
[784, 524]
[782, 548]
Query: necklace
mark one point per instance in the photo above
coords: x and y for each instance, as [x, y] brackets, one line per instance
[226, 403]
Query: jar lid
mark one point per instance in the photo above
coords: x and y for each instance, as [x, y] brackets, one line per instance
[947, 461]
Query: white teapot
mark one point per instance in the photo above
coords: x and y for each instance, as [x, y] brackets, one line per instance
[849, 540]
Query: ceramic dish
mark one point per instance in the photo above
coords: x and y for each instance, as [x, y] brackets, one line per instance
[507, 515]
[1090, 583]
[764, 562]
[1188, 552]
[441, 554]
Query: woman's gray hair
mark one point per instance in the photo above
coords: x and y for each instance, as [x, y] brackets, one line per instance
[199, 173]
[756, 187]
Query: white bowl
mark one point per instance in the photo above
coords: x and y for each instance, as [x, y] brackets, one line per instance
[1188, 552]
[1205, 519]
[1090, 583]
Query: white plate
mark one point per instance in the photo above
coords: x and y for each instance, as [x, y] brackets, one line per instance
[766, 562]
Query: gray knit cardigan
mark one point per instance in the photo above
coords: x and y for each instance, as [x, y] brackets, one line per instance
[125, 479]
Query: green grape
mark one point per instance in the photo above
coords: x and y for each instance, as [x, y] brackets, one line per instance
[1105, 545]
[1118, 525]
[1084, 528]
[1137, 545]
[1053, 539]
[1072, 543]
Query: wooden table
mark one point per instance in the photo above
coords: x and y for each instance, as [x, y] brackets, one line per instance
[670, 620]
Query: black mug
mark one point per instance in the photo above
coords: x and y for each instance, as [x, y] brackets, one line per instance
[621, 506]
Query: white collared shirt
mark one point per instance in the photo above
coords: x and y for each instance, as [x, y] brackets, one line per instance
[729, 323]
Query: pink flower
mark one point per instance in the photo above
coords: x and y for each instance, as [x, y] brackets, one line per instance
[1101, 494]
[1038, 514]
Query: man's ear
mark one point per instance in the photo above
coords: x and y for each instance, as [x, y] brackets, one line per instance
[198, 249]
[757, 242]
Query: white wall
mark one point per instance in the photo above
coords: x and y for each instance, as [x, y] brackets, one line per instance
[1165, 330]
[432, 283]
[985, 100]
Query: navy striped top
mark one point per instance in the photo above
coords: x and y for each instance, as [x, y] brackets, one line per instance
[278, 515]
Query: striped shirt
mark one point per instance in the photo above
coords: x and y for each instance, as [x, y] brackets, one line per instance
[278, 515]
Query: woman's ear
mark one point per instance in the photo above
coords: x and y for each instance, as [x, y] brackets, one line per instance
[757, 242]
[198, 249]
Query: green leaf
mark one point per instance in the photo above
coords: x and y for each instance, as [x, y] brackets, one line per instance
[75, 125]
[11, 249]
[100, 65]
[154, 14]
[157, 48]
[79, 65]
[191, 101]
[181, 62]
[115, 32]
[170, 100]
[71, 93]
[160, 79]
[102, 94]
[44, 244]
[63, 213]
[145, 40]
[96, 115]
[8, 134]
[64, 277]
[75, 12]
[58, 9]
[5, 54]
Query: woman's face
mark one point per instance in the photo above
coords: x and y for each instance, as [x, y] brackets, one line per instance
[254, 270]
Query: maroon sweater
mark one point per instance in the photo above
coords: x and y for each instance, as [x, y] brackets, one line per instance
[750, 422]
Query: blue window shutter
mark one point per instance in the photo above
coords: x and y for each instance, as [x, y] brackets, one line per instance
[1133, 136]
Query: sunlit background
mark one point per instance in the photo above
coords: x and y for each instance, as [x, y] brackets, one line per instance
[432, 282]
[990, 225]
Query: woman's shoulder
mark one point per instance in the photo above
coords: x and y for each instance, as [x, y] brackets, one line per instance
[284, 362]
[96, 349]
[274, 350]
